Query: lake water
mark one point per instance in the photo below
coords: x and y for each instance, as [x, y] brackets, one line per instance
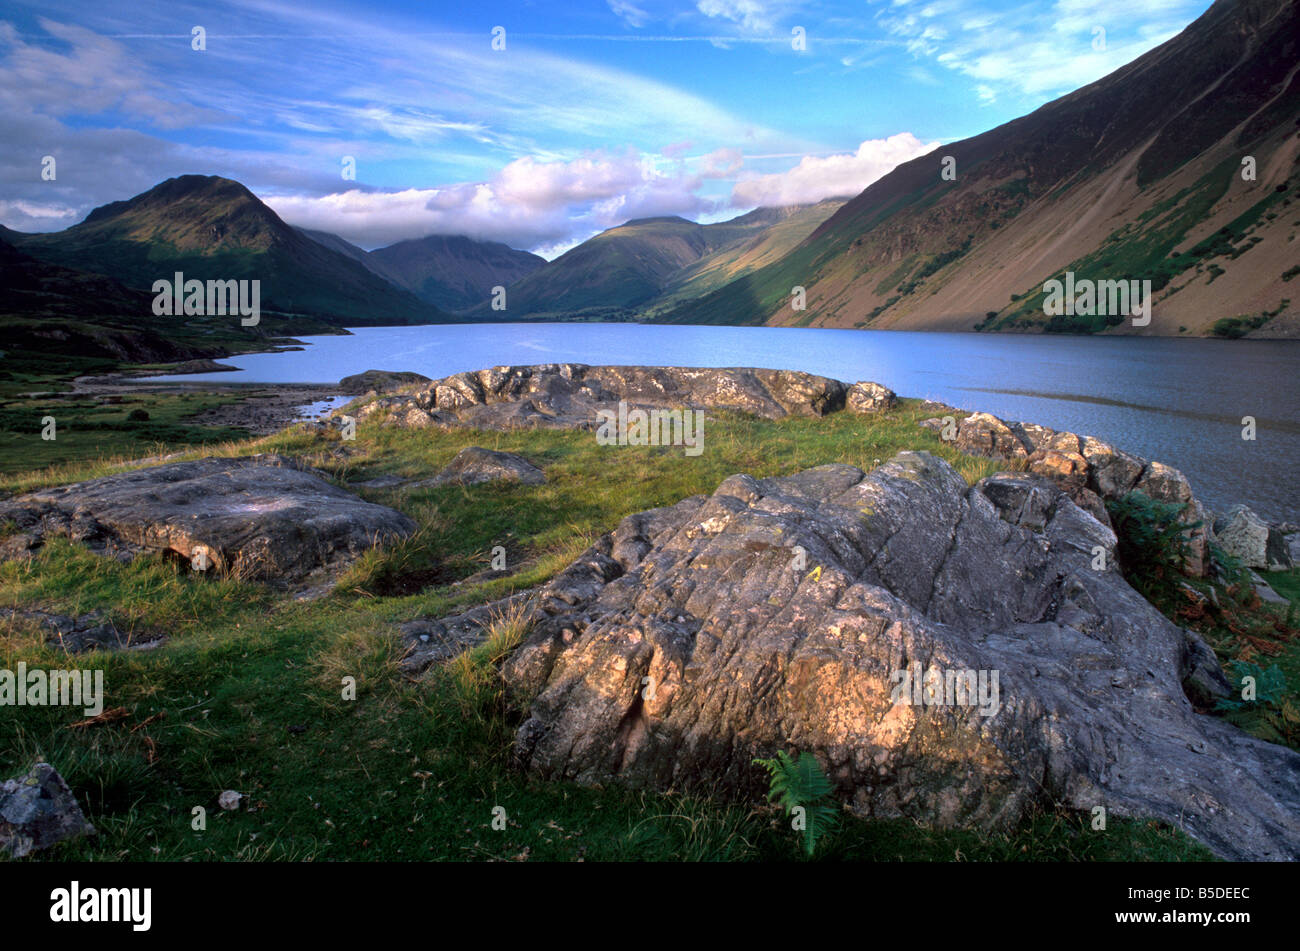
[1178, 401]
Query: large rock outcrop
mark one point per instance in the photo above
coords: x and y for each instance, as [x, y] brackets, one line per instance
[569, 395]
[1090, 471]
[780, 613]
[256, 517]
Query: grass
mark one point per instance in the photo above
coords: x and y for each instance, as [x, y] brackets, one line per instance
[87, 429]
[250, 689]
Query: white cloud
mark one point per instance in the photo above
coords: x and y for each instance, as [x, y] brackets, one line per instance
[93, 75]
[815, 178]
[528, 204]
[1037, 50]
[629, 13]
[749, 14]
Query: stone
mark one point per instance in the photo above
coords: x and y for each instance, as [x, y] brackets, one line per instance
[1112, 473]
[473, 466]
[983, 434]
[255, 517]
[380, 381]
[1277, 552]
[430, 641]
[78, 634]
[870, 398]
[38, 810]
[1265, 591]
[1245, 536]
[1166, 484]
[229, 800]
[1204, 681]
[1089, 470]
[695, 637]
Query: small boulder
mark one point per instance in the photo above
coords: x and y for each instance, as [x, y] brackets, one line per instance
[870, 398]
[473, 466]
[38, 810]
[1246, 536]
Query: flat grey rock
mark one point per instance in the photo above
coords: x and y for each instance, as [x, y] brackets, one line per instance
[258, 517]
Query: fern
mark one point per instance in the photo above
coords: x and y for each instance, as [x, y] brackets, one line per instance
[801, 784]
[1270, 686]
[1152, 541]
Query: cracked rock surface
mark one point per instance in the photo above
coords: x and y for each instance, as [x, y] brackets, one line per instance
[258, 517]
[697, 636]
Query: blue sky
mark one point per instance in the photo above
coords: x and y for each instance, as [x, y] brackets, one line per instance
[593, 113]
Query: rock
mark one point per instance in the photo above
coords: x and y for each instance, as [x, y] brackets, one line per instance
[38, 810]
[1277, 552]
[983, 434]
[229, 800]
[473, 466]
[1244, 535]
[870, 398]
[1112, 473]
[1204, 681]
[1293, 547]
[380, 381]
[433, 641]
[905, 568]
[1089, 470]
[1266, 592]
[569, 395]
[257, 517]
[77, 634]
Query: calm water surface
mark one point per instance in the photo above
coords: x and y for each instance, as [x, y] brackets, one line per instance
[1179, 401]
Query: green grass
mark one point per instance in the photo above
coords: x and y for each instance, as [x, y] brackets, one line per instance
[85, 428]
[246, 692]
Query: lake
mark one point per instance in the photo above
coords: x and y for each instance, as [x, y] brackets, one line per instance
[1178, 401]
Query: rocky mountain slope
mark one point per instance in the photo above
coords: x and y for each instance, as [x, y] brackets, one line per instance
[1136, 176]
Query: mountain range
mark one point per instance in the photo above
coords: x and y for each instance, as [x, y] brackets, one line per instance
[1180, 168]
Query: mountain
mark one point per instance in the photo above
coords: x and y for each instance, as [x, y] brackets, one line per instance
[785, 228]
[214, 228]
[455, 273]
[623, 269]
[49, 311]
[1136, 176]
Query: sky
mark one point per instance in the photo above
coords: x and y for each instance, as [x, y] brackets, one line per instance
[534, 124]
